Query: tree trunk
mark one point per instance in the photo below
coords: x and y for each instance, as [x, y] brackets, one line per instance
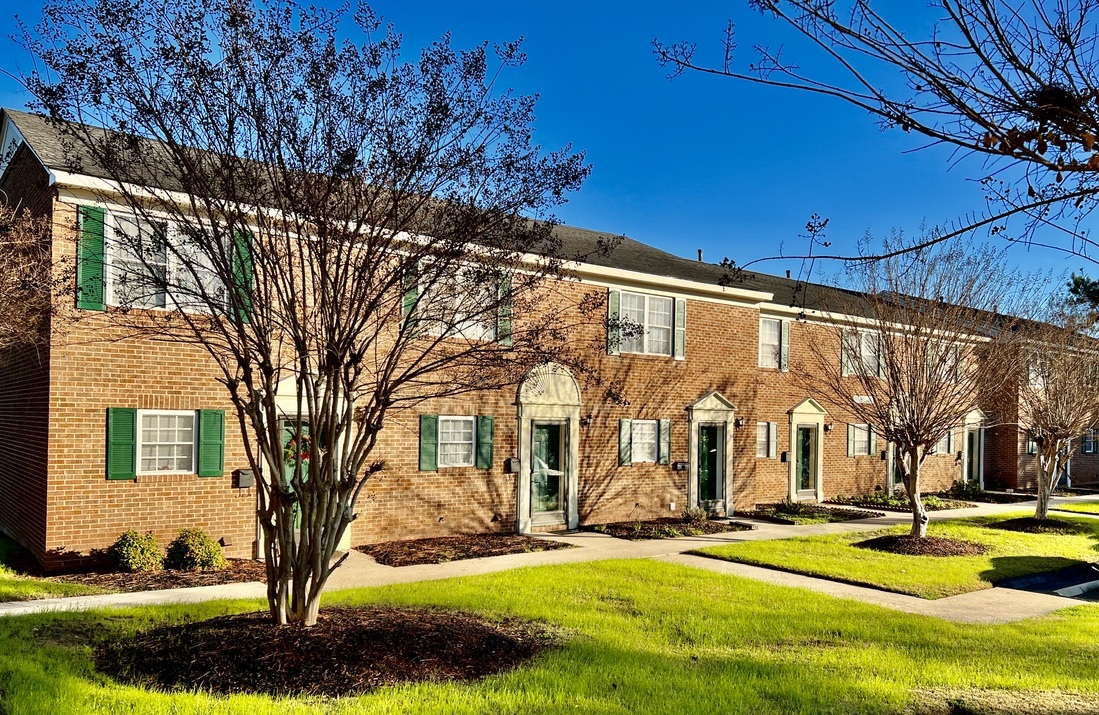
[1048, 476]
[919, 512]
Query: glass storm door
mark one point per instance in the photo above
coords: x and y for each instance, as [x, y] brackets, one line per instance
[973, 456]
[708, 469]
[547, 473]
[295, 448]
[898, 469]
[805, 469]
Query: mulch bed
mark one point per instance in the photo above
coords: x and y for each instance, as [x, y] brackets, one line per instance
[926, 546]
[1030, 525]
[238, 571]
[942, 505]
[771, 512]
[349, 651]
[455, 548]
[665, 528]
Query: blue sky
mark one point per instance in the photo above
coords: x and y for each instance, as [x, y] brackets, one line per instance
[697, 161]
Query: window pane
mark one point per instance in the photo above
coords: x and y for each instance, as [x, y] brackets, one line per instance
[769, 333]
[862, 439]
[762, 439]
[644, 438]
[632, 318]
[660, 312]
[456, 441]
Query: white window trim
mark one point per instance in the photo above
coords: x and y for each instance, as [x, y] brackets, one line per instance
[110, 259]
[634, 442]
[766, 427]
[865, 428]
[431, 327]
[439, 440]
[645, 324]
[194, 441]
[778, 345]
[1090, 438]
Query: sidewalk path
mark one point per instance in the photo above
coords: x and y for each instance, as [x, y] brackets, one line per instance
[997, 605]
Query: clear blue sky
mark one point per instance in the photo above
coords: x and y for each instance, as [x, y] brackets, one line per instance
[698, 161]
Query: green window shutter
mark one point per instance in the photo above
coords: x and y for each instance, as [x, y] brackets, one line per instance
[89, 260]
[429, 443]
[625, 443]
[244, 275]
[614, 334]
[664, 451]
[680, 329]
[772, 440]
[486, 425]
[410, 282]
[784, 354]
[504, 311]
[850, 440]
[211, 443]
[121, 443]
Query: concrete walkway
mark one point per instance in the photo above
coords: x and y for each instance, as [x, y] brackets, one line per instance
[996, 605]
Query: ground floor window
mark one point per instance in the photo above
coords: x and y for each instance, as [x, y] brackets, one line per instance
[166, 442]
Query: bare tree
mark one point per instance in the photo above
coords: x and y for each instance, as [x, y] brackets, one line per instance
[909, 345]
[1013, 82]
[1057, 399]
[325, 219]
[29, 278]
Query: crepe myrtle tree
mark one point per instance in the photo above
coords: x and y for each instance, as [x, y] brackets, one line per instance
[340, 229]
[908, 344]
[1057, 399]
[1013, 83]
[29, 279]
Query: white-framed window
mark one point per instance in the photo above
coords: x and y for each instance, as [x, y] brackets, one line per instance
[152, 264]
[1089, 442]
[763, 439]
[860, 440]
[166, 442]
[463, 305]
[861, 353]
[770, 343]
[648, 323]
[457, 441]
[1036, 372]
[1031, 445]
[644, 440]
[942, 446]
[944, 361]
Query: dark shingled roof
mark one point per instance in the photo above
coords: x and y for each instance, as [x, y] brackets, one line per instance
[53, 149]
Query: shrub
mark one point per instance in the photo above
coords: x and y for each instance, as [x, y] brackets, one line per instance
[194, 549]
[135, 552]
[695, 517]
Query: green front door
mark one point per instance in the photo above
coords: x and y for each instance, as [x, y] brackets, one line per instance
[708, 469]
[898, 469]
[973, 456]
[805, 469]
[295, 448]
[547, 474]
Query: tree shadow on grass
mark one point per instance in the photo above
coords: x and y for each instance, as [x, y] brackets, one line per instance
[1010, 567]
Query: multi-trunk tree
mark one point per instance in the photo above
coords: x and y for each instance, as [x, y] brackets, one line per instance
[907, 347]
[1056, 393]
[347, 234]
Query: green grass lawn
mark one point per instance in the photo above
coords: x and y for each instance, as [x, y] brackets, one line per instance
[1009, 554]
[648, 637]
[1088, 507]
[17, 587]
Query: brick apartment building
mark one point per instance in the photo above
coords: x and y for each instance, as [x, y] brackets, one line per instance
[99, 435]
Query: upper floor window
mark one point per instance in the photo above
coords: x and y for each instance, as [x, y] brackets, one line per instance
[774, 343]
[1089, 442]
[861, 353]
[463, 305]
[647, 323]
[944, 361]
[152, 264]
